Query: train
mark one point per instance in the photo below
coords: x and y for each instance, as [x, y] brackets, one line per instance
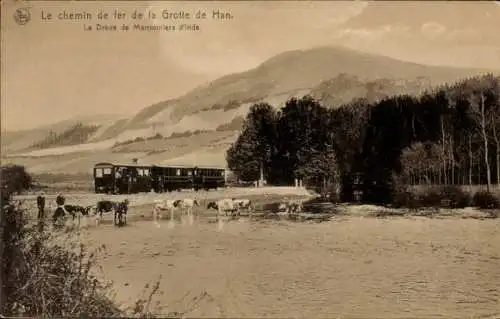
[116, 178]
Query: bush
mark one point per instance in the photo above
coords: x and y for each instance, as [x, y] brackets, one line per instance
[444, 197]
[46, 275]
[485, 200]
[157, 136]
[430, 198]
[49, 275]
[15, 179]
[330, 194]
[405, 199]
[457, 197]
[50, 280]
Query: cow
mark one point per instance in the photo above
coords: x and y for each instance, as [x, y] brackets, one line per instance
[75, 211]
[120, 210]
[188, 205]
[224, 206]
[165, 205]
[244, 204]
[290, 208]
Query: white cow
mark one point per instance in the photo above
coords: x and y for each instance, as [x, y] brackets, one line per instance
[187, 205]
[164, 205]
[224, 206]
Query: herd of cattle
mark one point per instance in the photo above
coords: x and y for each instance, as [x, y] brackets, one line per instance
[223, 207]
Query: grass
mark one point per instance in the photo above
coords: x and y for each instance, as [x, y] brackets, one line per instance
[51, 274]
[61, 182]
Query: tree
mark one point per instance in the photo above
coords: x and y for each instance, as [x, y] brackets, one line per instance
[14, 179]
[251, 155]
[492, 102]
[447, 135]
[348, 127]
[321, 169]
[496, 137]
[241, 158]
[303, 128]
[481, 111]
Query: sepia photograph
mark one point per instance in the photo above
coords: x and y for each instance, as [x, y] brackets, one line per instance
[250, 159]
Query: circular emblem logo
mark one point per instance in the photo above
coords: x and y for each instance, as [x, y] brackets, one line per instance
[22, 16]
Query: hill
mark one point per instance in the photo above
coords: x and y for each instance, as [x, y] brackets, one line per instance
[299, 70]
[21, 140]
[334, 75]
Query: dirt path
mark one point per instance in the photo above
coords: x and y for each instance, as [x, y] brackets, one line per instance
[352, 267]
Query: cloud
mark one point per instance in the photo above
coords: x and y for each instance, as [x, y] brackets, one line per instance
[258, 31]
[432, 30]
[367, 37]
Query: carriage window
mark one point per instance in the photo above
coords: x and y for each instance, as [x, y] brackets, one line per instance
[98, 172]
[146, 172]
[178, 172]
[222, 173]
[195, 172]
[107, 171]
[190, 173]
[140, 172]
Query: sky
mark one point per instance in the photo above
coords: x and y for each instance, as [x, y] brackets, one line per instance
[53, 70]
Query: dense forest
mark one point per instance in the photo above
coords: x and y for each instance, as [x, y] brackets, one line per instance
[449, 135]
[76, 134]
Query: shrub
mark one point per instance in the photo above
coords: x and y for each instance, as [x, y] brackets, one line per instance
[47, 275]
[405, 199]
[331, 193]
[157, 136]
[14, 179]
[50, 280]
[485, 200]
[446, 197]
[430, 198]
[457, 197]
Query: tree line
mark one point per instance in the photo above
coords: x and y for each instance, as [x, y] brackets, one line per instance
[449, 135]
[76, 134]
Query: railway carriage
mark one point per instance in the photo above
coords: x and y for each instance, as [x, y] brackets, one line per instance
[126, 179]
[208, 177]
[112, 178]
[169, 178]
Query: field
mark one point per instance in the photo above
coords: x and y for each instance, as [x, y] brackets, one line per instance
[354, 265]
[207, 148]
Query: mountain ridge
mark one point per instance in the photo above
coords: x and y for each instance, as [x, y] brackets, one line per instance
[333, 75]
